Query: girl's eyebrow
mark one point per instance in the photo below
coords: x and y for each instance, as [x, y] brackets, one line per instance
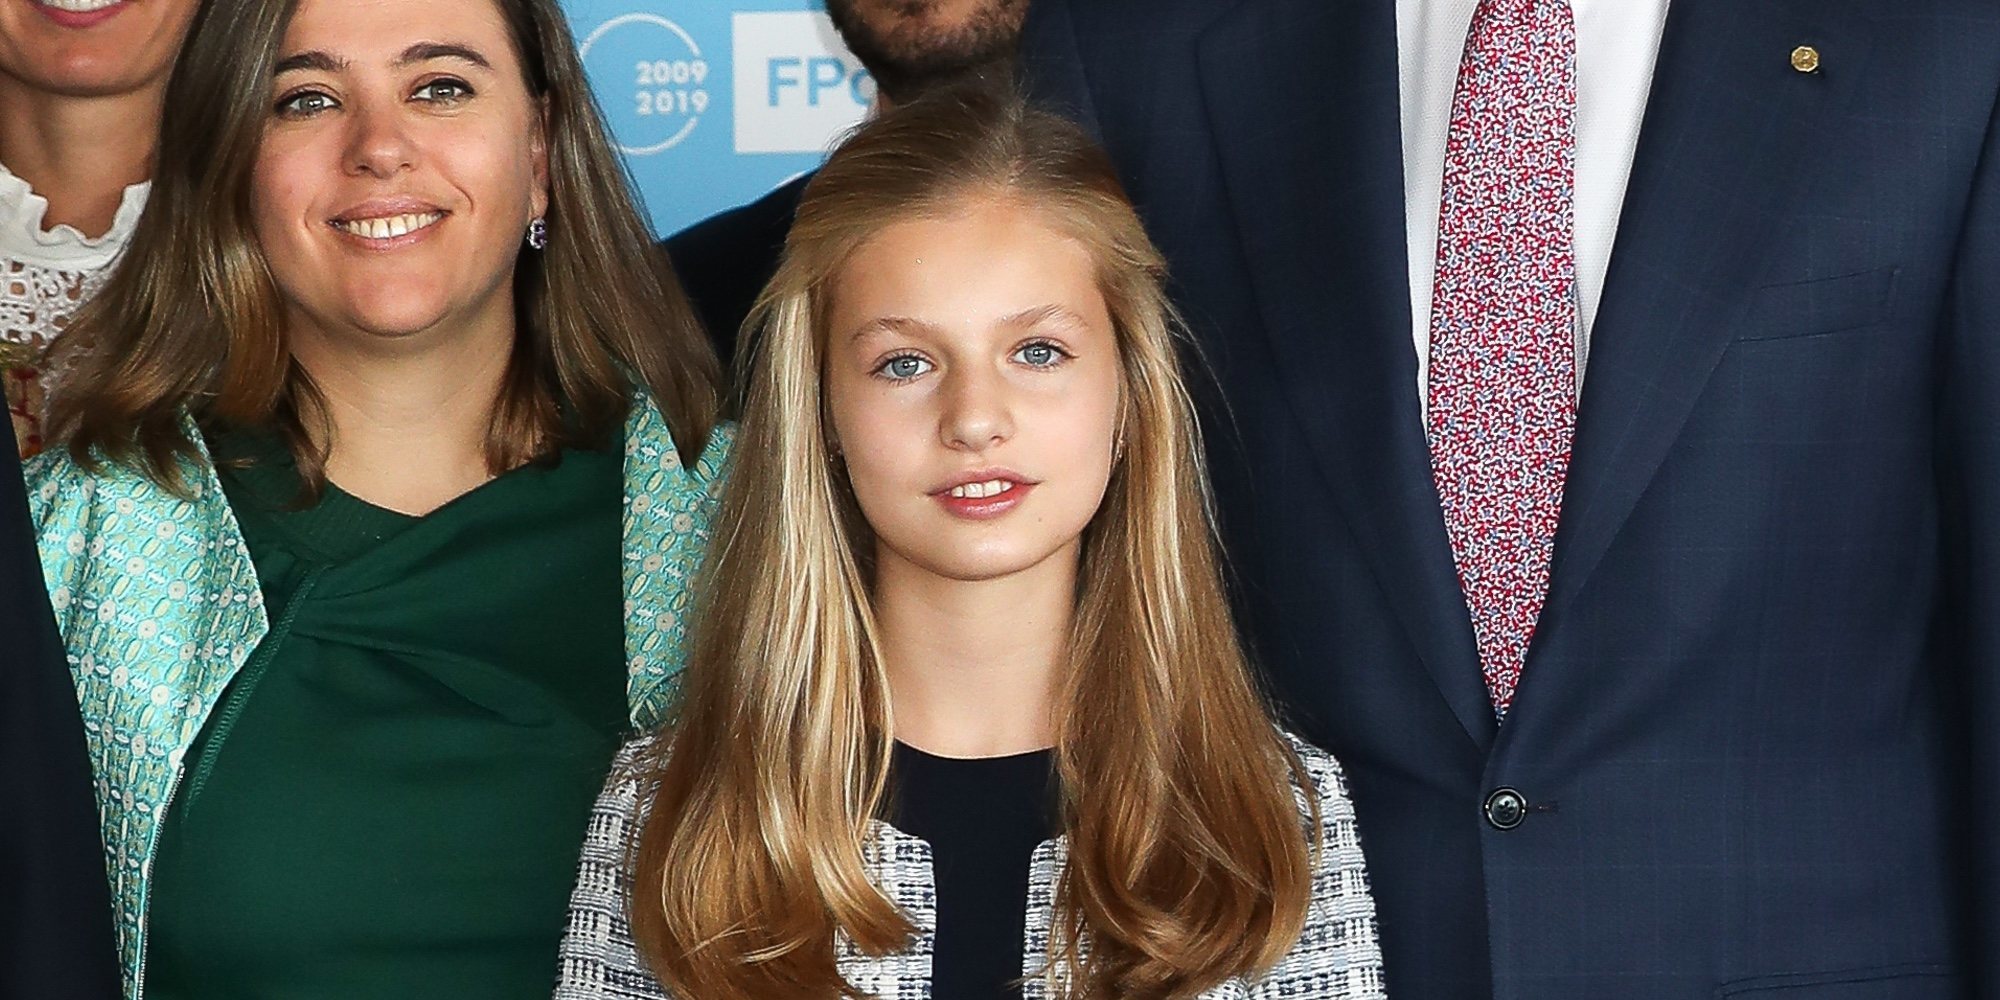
[1026, 319]
[1053, 312]
[893, 324]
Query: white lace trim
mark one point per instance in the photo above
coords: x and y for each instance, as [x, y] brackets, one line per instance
[46, 273]
[22, 236]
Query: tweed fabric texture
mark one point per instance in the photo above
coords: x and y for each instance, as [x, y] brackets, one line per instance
[1502, 396]
[160, 606]
[1337, 957]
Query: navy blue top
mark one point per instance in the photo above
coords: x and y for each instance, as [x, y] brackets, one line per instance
[983, 818]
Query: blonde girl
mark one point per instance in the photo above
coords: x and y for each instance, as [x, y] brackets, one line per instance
[965, 714]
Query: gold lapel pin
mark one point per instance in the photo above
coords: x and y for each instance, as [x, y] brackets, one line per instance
[1805, 59]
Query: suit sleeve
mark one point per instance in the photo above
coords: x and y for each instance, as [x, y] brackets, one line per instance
[1052, 70]
[1969, 463]
[55, 904]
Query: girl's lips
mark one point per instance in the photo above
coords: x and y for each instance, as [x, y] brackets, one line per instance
[81, 17]
[984, 508]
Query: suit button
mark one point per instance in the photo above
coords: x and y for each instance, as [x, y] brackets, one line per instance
[1506, 808]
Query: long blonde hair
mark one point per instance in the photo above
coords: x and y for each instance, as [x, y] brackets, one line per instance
[1188, 860]
[191, 320]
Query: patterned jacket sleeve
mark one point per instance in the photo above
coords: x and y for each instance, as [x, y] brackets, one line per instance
[1338, 954]
[599, 958]
[158, 604]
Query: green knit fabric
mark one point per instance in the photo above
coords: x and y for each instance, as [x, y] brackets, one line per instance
[392, 790]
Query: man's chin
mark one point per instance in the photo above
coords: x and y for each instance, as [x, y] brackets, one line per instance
[912, 55]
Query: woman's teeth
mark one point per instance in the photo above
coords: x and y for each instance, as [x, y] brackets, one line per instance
[389, 227]
[80, 6]
[978, 491]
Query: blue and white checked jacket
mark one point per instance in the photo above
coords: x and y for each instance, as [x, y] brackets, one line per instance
[1336, 957]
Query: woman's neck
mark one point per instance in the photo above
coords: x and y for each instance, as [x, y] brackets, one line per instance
[409, 421]
[975, 667]
[79, 153]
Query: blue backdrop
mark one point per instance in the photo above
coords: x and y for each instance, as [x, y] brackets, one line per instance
[714, 102]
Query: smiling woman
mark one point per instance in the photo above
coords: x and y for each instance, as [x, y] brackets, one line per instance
[382, 461]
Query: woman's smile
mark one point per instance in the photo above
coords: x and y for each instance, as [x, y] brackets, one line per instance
[81, 13]
[388, 226]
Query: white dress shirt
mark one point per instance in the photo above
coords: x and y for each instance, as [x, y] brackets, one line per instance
[1617, 42]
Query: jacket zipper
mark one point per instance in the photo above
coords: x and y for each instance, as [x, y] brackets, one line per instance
[252, 672]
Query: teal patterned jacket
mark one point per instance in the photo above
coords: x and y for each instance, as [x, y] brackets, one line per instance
[160, 606]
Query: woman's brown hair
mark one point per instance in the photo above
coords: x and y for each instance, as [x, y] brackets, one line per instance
[1188, 860]
[190, 322]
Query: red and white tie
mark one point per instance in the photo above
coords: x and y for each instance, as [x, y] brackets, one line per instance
[1502, 381]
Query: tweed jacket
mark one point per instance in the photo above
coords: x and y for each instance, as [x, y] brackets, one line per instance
[160, 606]
[1336, 957]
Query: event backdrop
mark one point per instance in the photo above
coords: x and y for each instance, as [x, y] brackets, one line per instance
[715, 102]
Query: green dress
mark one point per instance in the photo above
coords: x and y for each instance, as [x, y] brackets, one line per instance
[390, 796]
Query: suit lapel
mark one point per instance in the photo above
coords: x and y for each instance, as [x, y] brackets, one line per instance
[1318, 199]
[1729, 128]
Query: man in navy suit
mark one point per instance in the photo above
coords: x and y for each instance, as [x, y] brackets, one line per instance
[55, 906]
[1606, 426]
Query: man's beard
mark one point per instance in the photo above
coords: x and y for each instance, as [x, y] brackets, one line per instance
[906, 57]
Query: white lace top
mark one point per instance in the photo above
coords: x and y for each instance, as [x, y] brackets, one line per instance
[44, 275]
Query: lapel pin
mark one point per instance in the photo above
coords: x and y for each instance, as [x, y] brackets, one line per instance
[1805, 59]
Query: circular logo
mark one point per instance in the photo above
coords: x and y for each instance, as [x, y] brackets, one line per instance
[652, 79]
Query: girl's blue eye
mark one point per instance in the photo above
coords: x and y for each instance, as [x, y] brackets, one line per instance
[1040, 355]
[904, 367]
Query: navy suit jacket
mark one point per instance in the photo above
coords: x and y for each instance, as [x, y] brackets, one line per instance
[1759, 725]
[55, 904]
[724, 261]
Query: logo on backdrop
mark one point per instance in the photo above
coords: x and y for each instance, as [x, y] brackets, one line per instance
[797, 89]
[651, 78]
[715, 102]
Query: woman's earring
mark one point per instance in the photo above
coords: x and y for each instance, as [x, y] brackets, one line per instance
[538, 233]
